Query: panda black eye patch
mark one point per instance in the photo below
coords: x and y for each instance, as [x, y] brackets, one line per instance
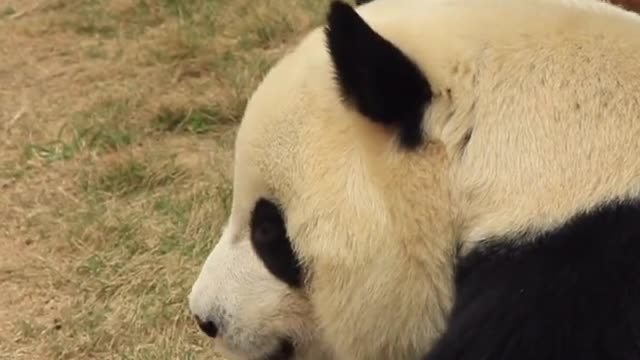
[272, 245]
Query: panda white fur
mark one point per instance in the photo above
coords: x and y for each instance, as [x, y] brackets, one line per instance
[438, 179]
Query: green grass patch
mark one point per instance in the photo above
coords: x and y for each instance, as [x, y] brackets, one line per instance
[98, 138]
[96, 52]
[94, 18]
[267, 31]
[194, 31]
[130, 177]
[89, 18]
[7, 11]
[29, 329]
[196, 121]
[185, 239]
[93, 266]
[123, 179]
[102, 128]
[95, 28]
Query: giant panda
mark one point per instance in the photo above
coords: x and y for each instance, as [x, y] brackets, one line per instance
[438, 180]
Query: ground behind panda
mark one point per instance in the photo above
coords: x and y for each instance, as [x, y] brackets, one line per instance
[117, 120]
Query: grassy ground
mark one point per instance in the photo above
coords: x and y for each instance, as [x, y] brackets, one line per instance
[117, 121]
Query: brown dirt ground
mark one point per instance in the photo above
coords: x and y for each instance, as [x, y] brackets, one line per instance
[116, 129]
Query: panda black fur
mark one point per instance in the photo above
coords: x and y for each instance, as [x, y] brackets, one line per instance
[567, 293]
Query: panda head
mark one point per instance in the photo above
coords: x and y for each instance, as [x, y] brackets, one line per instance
[386, 141]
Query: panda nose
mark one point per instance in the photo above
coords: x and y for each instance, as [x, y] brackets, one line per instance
[208, 327]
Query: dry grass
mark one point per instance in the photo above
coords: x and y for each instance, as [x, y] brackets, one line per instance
[117, 121]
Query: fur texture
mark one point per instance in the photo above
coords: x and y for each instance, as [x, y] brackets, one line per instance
[532, 119]
[566, 293]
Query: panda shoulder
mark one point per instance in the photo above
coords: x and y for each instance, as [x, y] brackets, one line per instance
[567, 293]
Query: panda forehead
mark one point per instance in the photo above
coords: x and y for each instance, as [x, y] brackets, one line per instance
[259, 174]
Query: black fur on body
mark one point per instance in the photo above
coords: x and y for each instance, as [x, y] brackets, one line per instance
[569, 293]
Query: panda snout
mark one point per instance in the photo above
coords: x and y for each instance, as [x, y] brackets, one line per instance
[207, 326]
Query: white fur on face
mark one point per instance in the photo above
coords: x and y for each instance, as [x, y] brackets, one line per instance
[252, 309]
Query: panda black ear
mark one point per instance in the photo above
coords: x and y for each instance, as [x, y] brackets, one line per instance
[360, 2]
[375, 76]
